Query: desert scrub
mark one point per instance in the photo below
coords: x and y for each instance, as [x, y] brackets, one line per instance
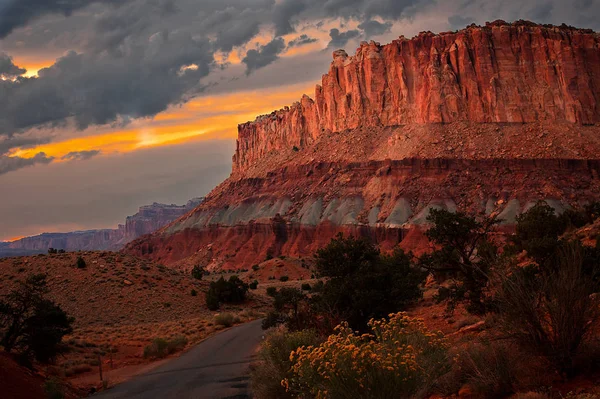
[226, 319]
[54, 388]
[489, 369]
[274, 363]
[161, 347]
[400, 358]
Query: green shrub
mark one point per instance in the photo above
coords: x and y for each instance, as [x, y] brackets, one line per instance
[318, 286]
[306, 287]
[274, 363]
[488, 369]
[80, 263]
[31, 324]
[538, 231]
[271, 291]
[226, 319]
[269, 254]
[288, 303]
[284, 278]
[54, 388]
[551, 311]
[194, 292]
[465, 253]
[212, 300]
[222, 291]
[255, 268]
[363, 283]
[157, 349]
[160, 347]
[176, 344]
[198, 272]
[253, 285]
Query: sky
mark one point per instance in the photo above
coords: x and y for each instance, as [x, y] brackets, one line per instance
[109, 105]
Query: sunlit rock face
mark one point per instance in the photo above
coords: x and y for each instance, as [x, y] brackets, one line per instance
[500, 73]
[485, 120]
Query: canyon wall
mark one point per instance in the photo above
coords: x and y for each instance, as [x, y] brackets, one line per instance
[487, 120]
[294, 211]
[148, 219]
[499, 73]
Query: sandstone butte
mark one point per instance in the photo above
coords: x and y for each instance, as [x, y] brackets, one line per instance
[487, 119]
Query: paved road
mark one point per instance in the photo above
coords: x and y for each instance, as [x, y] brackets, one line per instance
[216, 368]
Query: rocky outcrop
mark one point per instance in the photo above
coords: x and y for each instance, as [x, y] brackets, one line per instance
[499, 73]
[148, 219]
[152, 217]
[295, 210]
[485, 120]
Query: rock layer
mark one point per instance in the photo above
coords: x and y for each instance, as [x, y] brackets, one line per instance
[485, 120]
[295, 210]
[499, 73]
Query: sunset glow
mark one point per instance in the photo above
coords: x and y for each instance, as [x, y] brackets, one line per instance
[204, 117]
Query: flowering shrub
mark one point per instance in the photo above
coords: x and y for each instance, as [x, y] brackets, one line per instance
[399, 359]
[274, 362]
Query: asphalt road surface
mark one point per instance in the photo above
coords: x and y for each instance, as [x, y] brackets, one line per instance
[216, 368]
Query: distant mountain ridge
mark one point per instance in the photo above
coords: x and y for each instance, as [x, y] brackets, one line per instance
[148, 219]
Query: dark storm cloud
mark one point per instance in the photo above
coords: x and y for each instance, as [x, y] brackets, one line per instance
[459, 21]
[340, 39]
[16, 13]
[8, 69]
[283, 14]
[238, 34]
[116, 25]
[8, 143]
[374, 28]
[10, 164]
[583, 4]
[99, 88]
[128, 63]
[80, 155]
[264, 55]
[301, 41]
[541, 11]
[386, 9]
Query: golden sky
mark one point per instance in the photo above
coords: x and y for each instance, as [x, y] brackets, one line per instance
[206, 117]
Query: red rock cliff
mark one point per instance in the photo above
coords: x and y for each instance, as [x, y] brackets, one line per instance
[499, 73]
[486, 120]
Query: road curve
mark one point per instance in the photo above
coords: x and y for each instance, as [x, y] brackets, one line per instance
[216, 368]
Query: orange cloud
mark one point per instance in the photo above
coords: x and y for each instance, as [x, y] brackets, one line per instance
[203, 117]
[32, 63]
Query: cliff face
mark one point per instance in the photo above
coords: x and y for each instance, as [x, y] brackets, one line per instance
[294, 211]
[485, 120]
[148, 219]
[500, 73]
[152, 217]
